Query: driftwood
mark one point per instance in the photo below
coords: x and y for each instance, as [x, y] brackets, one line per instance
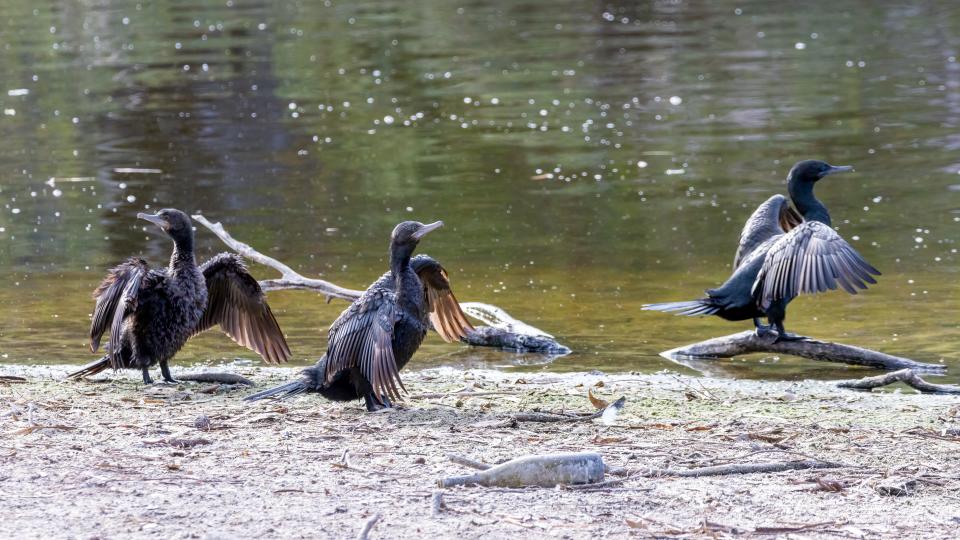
[608, 413]
[542, 470]
[906, 376]
[750, 342]
[505, 332]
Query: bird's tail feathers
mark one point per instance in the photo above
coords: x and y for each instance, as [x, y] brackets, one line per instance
[691, 308]
[91, 369]
[284, 391]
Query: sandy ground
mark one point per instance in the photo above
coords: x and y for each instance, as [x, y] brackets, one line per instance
[111, 459]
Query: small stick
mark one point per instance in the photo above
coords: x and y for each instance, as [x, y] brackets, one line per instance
[367, 527]
[906, 376]
[744, 468]
[222, 378]
[467, 462]
[750, 342]
[545, 417]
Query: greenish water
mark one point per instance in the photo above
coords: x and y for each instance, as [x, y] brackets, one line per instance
[309, 129]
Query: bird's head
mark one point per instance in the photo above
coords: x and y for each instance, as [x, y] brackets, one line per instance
[408, 234]
[175, 223]
[812, 170]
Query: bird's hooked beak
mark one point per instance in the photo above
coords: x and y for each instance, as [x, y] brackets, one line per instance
[423, 231]
[837, 169]
[155, 219]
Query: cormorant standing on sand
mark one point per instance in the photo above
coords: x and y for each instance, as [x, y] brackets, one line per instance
[152, 312]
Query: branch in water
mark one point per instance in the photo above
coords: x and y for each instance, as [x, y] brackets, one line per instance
[505, 332]
[750, 342]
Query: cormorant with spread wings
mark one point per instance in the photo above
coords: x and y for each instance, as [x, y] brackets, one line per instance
[784, 253]
[151, 313]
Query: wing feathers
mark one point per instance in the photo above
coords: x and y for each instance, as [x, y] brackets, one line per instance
[809, 259]
[236, 302]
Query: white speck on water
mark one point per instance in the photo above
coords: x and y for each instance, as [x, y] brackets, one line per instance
[262, 26]
[642, 164]
[409, 209]
[292, 105]
[494, 101]
[18, 92]
[10, 112]
[543, 112]
[799, 45]
[918, 239]
[676, 100]
[468, 100]
[131, 198]
[125, 21]
[57, 192]
[15, 210]
[855, 238]
[675, 171]
[388, 119]
[877, 199]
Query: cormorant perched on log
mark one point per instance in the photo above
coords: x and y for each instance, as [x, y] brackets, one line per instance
[782, 254]
[378, 333]
[152, 312]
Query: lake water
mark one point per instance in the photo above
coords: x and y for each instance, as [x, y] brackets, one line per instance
[586, 157]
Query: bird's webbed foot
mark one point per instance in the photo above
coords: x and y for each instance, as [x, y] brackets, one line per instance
[762, 330]
[783, 335]
[165, 372]
[374, 405]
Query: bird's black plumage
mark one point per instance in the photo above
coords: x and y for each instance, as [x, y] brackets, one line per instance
[375, 337]
[784, 253]
[151, 313]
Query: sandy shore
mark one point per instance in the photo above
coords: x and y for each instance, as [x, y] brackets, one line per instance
[112, 459]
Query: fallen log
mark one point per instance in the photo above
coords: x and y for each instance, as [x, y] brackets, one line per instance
[504, 331]
[743, 468]
[749, 342]
[906, 376]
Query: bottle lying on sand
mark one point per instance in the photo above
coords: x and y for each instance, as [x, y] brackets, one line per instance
[544, 471]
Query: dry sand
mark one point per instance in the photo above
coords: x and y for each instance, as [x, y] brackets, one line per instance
[113, 459]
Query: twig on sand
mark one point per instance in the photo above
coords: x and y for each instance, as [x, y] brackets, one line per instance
[550, 417]
[368, 526]
[906, 376]
[744, 468]
[222, 378]
[467, 462]
[749, 342]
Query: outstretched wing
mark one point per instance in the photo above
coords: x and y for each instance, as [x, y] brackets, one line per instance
[236, 302]
[811, 258]
[445, 314]
[774, 217]
[362, 337]
[116, 297]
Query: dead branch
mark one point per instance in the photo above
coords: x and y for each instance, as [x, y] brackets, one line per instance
[749, 342]
[743, 468]
[906, 376]
[512, 335]
[290, 278]
[367, 527]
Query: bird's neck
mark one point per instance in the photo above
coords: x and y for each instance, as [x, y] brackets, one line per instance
[399, 263]
[801, 193]
[182, 258]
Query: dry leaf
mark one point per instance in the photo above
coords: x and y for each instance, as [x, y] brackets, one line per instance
[597, 402]
[826, 484]
[707, 427]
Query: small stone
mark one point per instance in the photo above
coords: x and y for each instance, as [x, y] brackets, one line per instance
[202, 423]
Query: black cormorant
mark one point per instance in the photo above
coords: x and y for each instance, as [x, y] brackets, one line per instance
[783, 254]
[152, 312]
[378, 333]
